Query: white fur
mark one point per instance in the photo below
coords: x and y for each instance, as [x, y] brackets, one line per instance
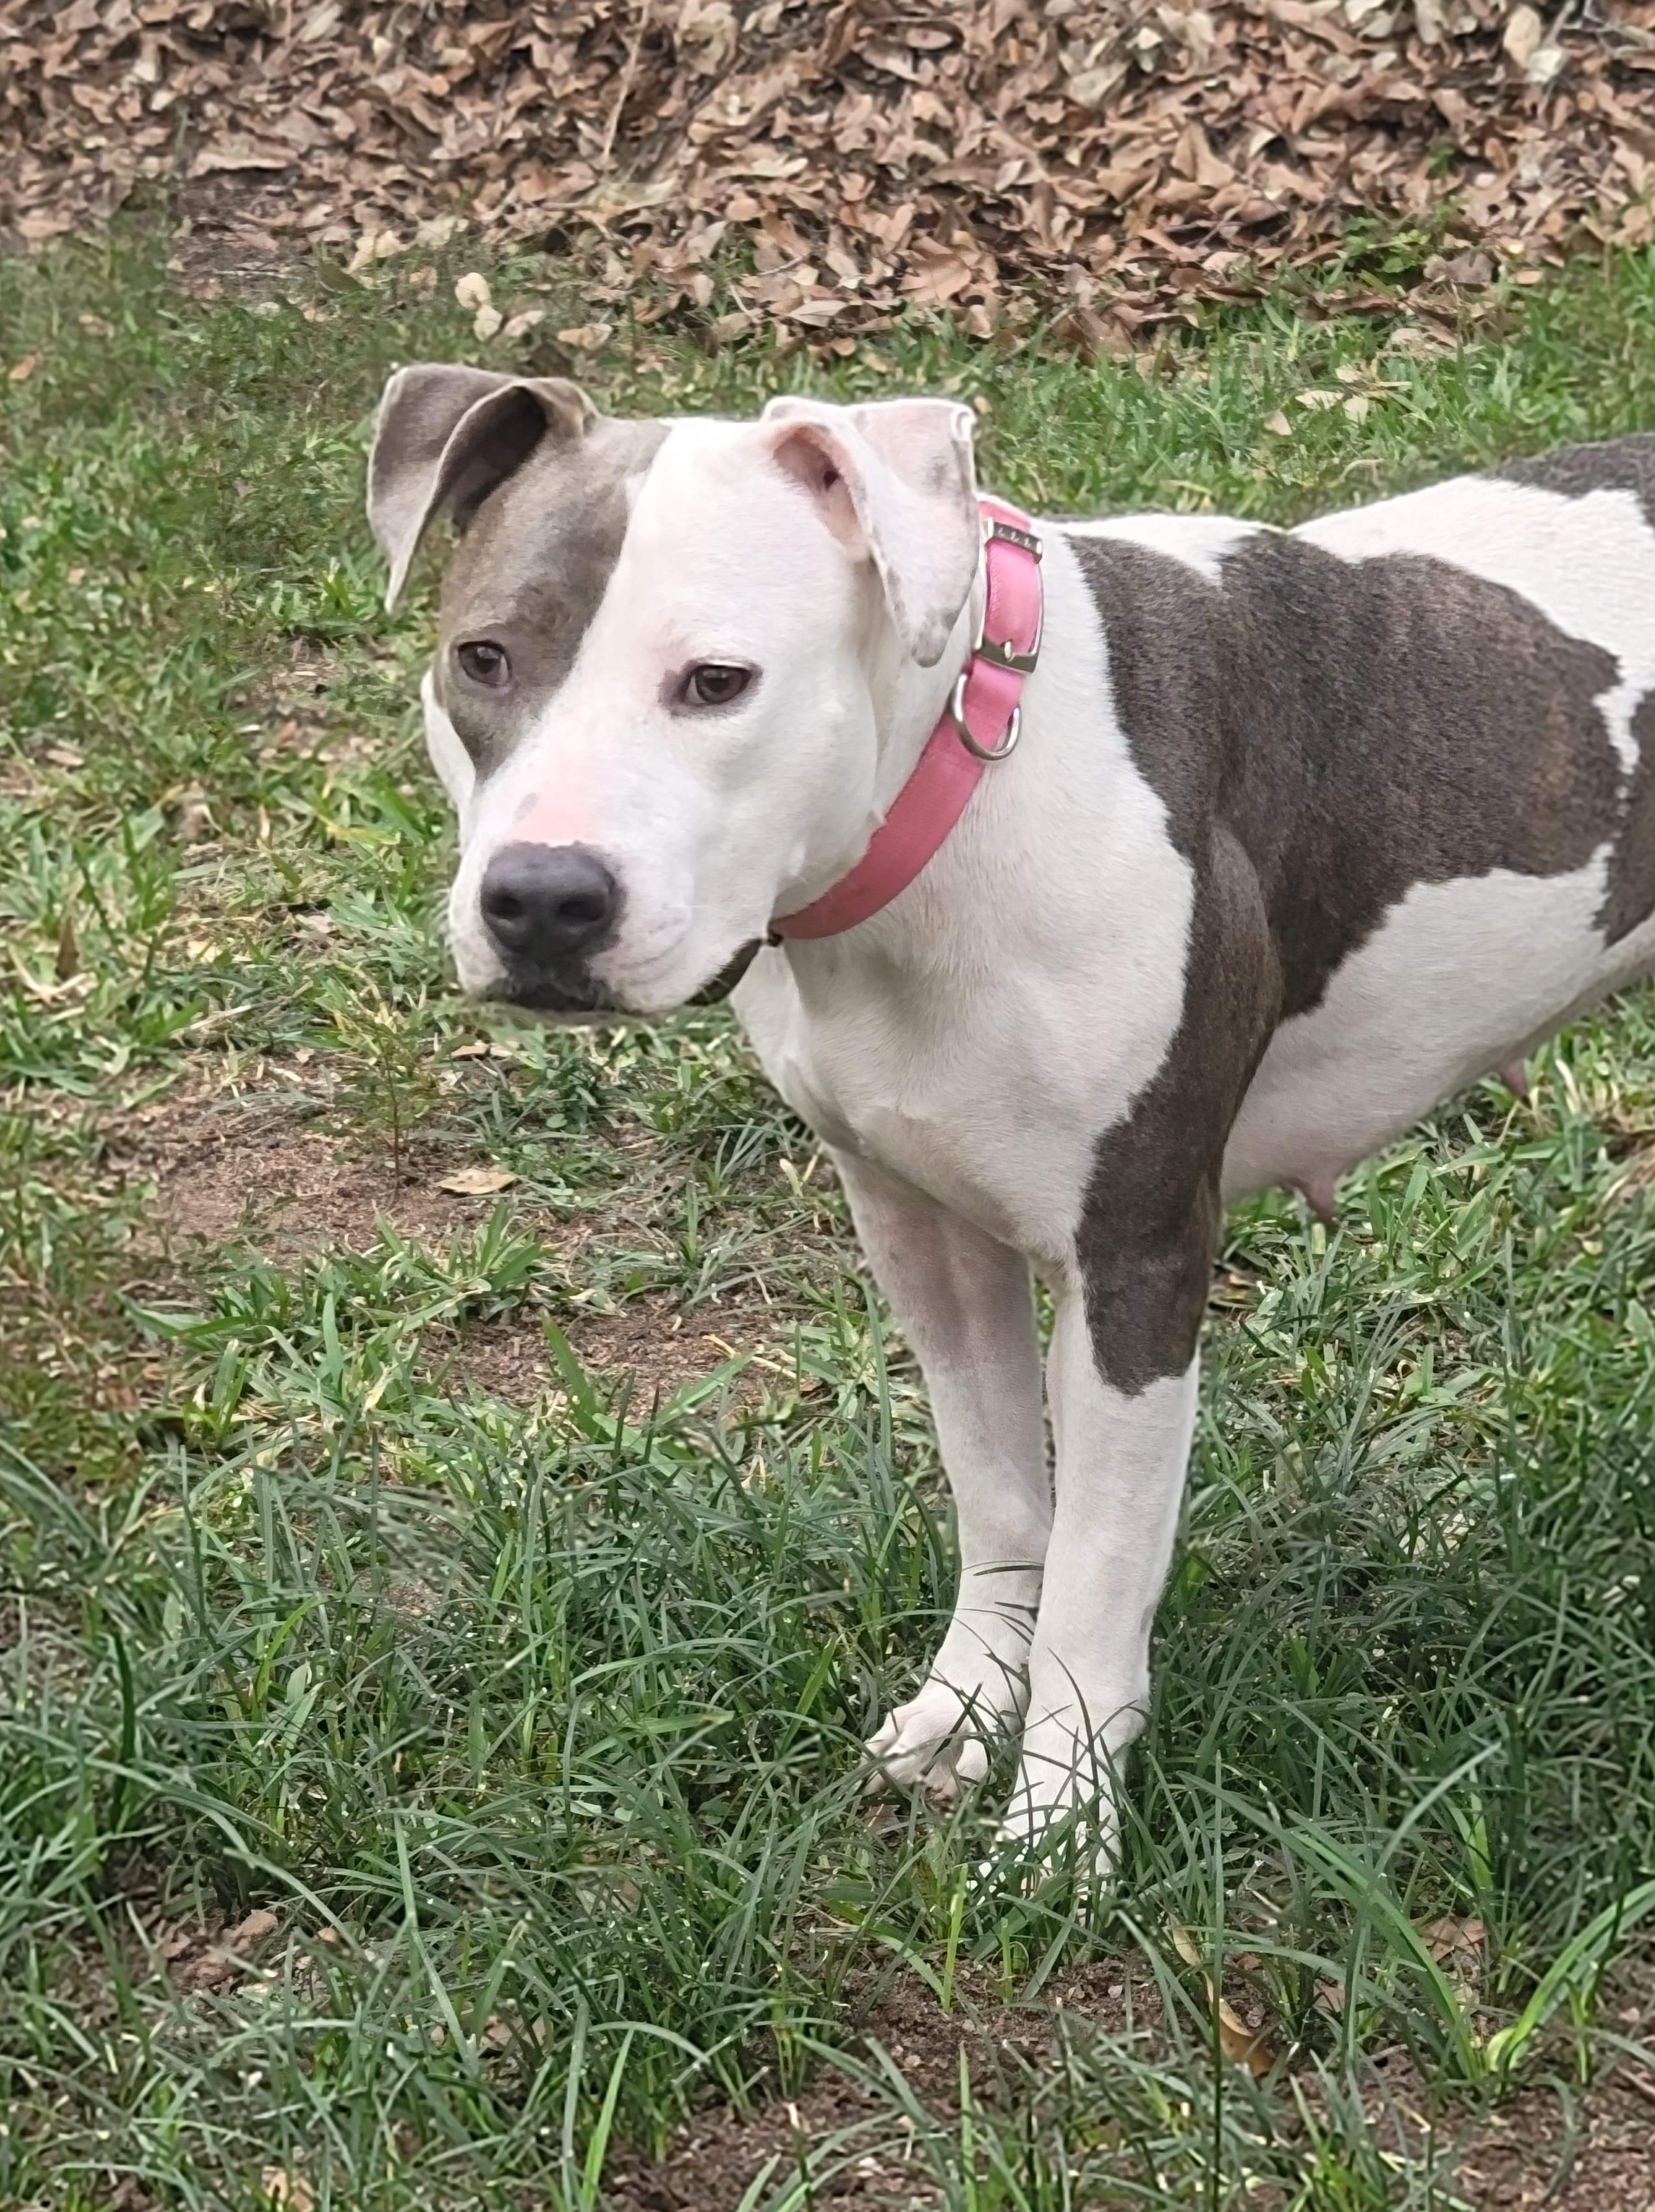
[1435, 998]
[449, 756]
[973, 1046]
[978, 1063]
[963, 1301]
[1120, 1460]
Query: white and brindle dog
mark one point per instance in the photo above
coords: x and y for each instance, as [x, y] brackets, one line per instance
[1306, 829]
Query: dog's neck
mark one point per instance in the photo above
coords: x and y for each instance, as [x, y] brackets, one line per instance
[913, 698]
[908, 702]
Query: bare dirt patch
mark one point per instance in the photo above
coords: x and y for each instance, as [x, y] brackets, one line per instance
[264, 1164]
[1526, 2156]
[717, 2154]
[654, 1347]
[1533, 2151]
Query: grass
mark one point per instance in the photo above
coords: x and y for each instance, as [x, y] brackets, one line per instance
[530, 1723]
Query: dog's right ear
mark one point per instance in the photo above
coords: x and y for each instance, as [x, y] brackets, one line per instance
[445, 436]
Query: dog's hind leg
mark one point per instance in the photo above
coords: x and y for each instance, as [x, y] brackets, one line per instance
[963, 1301]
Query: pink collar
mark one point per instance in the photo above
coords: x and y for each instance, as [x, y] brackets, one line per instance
[980, 724]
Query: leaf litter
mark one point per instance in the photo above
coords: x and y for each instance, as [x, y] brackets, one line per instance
[821, 164]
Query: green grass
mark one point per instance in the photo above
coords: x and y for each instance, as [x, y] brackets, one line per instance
[536, 1727]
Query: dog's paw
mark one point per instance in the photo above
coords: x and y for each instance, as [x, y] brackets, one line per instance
[1080, 1836]
[938, 1743]
[1063, 1816]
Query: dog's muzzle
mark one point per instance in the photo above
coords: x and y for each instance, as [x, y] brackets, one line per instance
[550, 909]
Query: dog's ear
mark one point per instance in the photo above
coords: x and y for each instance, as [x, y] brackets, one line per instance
[445, 436]
[896, 479]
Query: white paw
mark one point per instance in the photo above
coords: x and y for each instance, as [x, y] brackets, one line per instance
[938, 1743]
[1082, 1835]
[1063, 1807]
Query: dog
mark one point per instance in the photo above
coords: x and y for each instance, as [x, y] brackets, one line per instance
[1072, 879]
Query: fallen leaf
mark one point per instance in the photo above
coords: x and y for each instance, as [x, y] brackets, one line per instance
[586, 338]
[1464, 269]
[68, 952]
[1241, 2044]
[236, 153]
[472, 290]
[476, 1182]
[525, 319]
[1278, 425]
[283, 2186]
[1523, 34]
[20, 371]
[1071, 156]
[487, 320]
[1543, 64]
[1444, 1938]
[258, 1923]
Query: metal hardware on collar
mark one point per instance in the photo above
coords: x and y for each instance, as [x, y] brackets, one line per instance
[996, 649]
[1029, 542]
[957, 715]
[1007, 656]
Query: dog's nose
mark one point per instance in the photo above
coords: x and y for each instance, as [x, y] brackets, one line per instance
[546, 903]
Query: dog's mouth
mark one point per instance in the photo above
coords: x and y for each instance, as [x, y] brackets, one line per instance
[583, 999]
[728, 976]
[548, 994]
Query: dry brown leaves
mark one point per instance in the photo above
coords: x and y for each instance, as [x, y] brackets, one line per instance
[1126, 154]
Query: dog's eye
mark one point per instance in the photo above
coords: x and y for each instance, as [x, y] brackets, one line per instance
[485, 663]
[715, 683]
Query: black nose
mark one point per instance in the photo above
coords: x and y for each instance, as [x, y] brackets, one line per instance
[546, 903]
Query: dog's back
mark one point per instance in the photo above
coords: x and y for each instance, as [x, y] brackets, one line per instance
[1426, 724]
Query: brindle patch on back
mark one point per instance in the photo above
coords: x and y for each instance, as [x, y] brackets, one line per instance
[529, 575]
[1324, 734]
[1361, 726]
[1575, 471]
[1629, 898]
[1617, 465]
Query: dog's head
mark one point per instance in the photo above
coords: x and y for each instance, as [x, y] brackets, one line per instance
[668, 653]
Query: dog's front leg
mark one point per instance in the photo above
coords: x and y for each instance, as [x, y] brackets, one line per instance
[963, 1301]
[1121, 1460]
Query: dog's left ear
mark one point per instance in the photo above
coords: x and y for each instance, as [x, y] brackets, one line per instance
[445, 436]
[898, 480]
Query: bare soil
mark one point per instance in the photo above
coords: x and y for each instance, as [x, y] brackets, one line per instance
[1593, 2153]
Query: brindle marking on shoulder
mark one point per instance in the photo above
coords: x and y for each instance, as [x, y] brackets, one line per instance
[530, 572]
[1324, 735]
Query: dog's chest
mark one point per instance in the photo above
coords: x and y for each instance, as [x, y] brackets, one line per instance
[974, 1109]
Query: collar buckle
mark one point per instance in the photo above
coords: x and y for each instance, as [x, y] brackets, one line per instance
[1020, 661]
